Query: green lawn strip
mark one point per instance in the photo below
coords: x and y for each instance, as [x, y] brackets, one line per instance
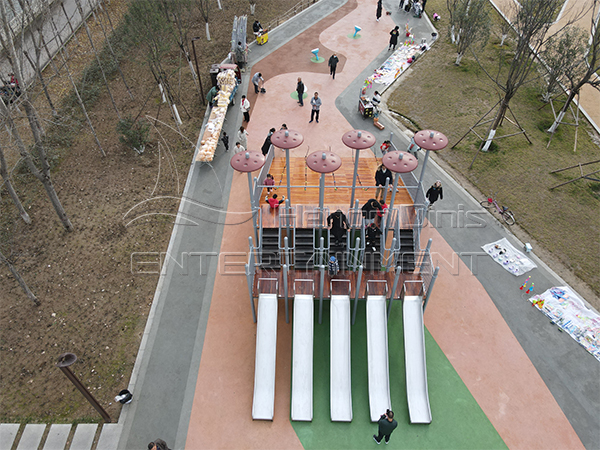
[458, 421]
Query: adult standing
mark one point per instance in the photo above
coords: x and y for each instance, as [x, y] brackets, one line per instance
[267, 144]
[386, 425]
[424, 2]
[339, 225]
[381, 176]
[333, 62]
[316, 107]
[435, 192]
[379, 10]
[300, 91]
[394, 38]
[242, 137]
[256, 80]
[245, 107]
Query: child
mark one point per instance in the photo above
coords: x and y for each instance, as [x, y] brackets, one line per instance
[269, 183]
[238, 148]
[334, 266]
[273, 202]
[225, 140]
[385, 147]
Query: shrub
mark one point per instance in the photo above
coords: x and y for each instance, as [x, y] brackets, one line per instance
[134, 133]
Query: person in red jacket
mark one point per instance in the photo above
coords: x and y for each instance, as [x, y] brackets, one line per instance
[273, 202]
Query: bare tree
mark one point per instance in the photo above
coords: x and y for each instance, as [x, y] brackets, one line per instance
[19, 279]
[11, 190]
[585, 68]
[204, 7]
[531, 20]
[469, 23]
[42, 173]
[564, 54]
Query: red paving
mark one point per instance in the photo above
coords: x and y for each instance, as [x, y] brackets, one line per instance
[480, 346]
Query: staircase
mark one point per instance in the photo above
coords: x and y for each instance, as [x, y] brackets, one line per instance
[270, 248]
[303, 251]
[406, 254]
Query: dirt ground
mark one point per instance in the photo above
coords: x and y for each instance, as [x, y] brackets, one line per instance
[92, 303]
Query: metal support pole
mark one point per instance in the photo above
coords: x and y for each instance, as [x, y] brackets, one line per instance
[391, 257]
[322, 251]
[385, 189]
[288, 214]
[354, 176]
[250, 271]
[322, 269]
[426, 252]
[421, 175]
[252, 206]
[394, 287]
[285, 278]
[64, 361]
[360, 271]
[355, 254]
[287, 170]
[437, 269]
[321, 199]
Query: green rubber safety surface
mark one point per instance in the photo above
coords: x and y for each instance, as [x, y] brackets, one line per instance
[457, 420]
[294, 95]
[319, 61]
[354, 36]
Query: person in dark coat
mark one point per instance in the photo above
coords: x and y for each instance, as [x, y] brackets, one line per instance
[435, 192]
[386, 425]
[372, 234]
[300, 91]
[381, 176]
[158, 444]
[333, 62]
[339, 224]
[394, 38]
[423, 3]
[369, 209]
[267, 144]
[379, 9]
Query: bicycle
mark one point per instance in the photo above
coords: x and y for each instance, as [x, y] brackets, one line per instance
[504, 212]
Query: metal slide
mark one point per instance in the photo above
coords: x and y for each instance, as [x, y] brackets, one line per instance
[340, 385]
[263, 404]
[416, 365]
[302, 363]
[377, 350]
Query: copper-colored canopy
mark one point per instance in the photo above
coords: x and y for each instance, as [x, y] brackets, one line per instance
[431, 140]
[400, 162]
[323, 162]
[247, 161]
[287, 139]
[358, 139]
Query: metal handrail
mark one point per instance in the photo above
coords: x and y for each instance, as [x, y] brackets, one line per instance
[297, 8]
[339, 281]
[378, 281]
[305, 281]
[268, 279]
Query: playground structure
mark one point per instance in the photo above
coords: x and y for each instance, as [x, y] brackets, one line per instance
[289, 252]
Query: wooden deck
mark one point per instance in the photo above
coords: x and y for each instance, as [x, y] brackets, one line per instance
[335, 196]
[308, 282]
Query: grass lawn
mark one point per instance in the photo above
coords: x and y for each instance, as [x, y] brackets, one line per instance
[564, 221]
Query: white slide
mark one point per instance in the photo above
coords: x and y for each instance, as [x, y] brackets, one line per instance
[377, 351]
[263, 404]
[340, 385]
[302, 362]
[416, 365]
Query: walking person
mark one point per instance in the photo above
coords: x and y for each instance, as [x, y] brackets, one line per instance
[334, 266]
[394, 38]
[257, 79]
[245, 107]
[386, 425]
[242, 137]
[423, 5]
[379, 10]
[435, 192]
[316, 106]
[333, 62]
[381, 176]
[267, 144]
[225, 140]
[300, 91]
[238, 148]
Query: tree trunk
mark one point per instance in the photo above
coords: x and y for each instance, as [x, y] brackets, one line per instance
[458, 58]
[20, 280]
[562, 112]
[11, 190]
[219, 3]
[38, 72]
[207, 32]
[495, 125]
[504, 36]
